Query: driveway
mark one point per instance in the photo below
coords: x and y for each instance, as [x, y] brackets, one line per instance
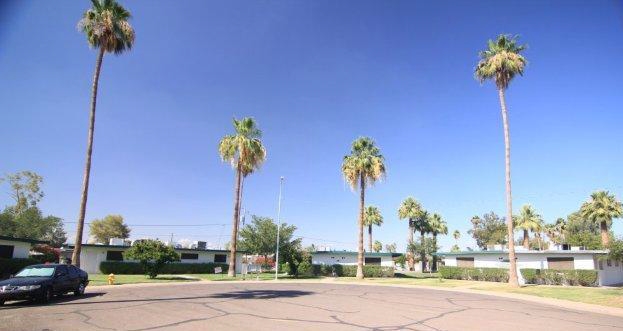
[292, 306]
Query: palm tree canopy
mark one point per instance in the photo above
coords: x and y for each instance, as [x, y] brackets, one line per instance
[409, 209]
[106, 26]
[528, 219]
[438, 225]
[365, 161]
[602, 207]
[501, 61]
[372, 216]
[422, 222]
[456, 234]
[243, 149]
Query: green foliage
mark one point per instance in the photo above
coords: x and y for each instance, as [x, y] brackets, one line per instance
[244, 150]
[47, 253]
[351, 270]
[615, 250]
[455, 248]
[501, 61]
[364, 164]
[111, 226]
[136, 268]
[481, 274]
[304, 269]
[602, 207]
[31, 224]
[426, 249]
[488, 230]
[560, 277]
[587, 239]
[377, 246]
[372, 216]
[152, 255]
[390, 248]
[401, 260]
[25, 189]
[12, 266]
[106, 26]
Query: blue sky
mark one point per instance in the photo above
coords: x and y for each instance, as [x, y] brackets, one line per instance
[315, 75]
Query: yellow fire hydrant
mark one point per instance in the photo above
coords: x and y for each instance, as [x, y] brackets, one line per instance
[111, 279]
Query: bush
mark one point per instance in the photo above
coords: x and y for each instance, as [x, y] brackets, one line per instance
[153, 255]
[560, 277]
[135, 268]
[481, 274]
[10, 267]
[351, 270]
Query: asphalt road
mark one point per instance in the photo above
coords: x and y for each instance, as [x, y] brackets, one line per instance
[291, 306]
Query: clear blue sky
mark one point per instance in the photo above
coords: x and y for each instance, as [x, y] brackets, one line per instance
[315, 75]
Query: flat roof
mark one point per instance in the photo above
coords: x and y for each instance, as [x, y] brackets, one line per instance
[177, 249]
[371, 254]
[547, 252]
[25, 240]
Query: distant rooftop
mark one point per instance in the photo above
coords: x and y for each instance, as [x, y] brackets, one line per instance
[369, 254]
[549, 252]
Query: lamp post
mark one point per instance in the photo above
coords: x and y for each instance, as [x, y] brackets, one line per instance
[278, 227]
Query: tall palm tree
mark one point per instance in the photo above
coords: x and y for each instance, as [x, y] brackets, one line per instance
[457, 235]
[246, 153]
[556, 231]
[422, 224]
[501, 62]
[372, 216]
[106, 27]
[437, 226]
[410, 209]
[601, 209]
[528, 220]
[361, 168]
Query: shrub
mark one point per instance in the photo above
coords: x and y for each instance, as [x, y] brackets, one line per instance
[153, 255]
[560, 277]
[305, 269]
[482, 274]
[351, 270]
[10, 267]
[135, 268]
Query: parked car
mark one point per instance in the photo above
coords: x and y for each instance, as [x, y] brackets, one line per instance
[42, 281]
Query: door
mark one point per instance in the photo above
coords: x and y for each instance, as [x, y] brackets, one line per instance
[74, 277]
[465, 262]
[62, 280]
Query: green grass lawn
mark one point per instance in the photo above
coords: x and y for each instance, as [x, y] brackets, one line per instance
[100, 279]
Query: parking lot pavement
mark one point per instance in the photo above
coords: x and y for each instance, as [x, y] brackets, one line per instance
[292, 306]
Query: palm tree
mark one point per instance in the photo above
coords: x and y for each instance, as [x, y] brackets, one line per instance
[245, 152]
[106, 27]
[528, 220]
[372, 216]
[501, 62]
[363, 167]
[410, 209]
[601, 209]
[556, 231]
[437, 226]
[422, 224]
[377, 247]
[457, 235]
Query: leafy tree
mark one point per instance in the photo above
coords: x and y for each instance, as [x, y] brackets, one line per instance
[390, 248]
[31, 224]
[107, 29]
[615, 250]
[372, 216]
[585, 239]
[152, 255]
[528, 220]
[410, 210]
[377, 247]
[437, 226]
[25, 189]
[363, 167]
[260, 237]
[501, 62]
[111, 226]
[425, 248]
[246, 153]
[601, 209]
[488, 230]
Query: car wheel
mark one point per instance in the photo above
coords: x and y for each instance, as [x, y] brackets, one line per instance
[80, 290]
[1, 302]
[47, 295]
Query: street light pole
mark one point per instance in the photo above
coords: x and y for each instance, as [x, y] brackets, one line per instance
[278, 227]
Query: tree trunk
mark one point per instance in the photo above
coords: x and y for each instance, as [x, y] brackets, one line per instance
[361, 211]
[75, 258]
[410, 257]
[512, 279]
[370, 237]
[422, 254]
[234, 231]
[605, 238]
[526, 239]
[434, 266]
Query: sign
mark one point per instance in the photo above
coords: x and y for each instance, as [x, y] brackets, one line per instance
[218, 270]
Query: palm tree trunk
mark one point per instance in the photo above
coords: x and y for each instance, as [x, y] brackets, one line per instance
[75, 258]
[526, 239]
[370, 237]
[410, 257]
[361, 211]
[605, 239]
[231, 272]
[512, 279]
[422, 254]
[434, 266]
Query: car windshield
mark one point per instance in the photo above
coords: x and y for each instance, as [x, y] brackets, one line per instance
[36, 272]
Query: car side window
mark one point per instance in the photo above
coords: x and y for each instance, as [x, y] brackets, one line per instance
[61, 269]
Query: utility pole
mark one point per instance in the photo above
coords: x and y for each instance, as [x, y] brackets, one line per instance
[278, 227]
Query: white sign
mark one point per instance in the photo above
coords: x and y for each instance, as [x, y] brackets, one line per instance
[218, 270]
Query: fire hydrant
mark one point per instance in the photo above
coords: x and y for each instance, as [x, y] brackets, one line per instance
[111, 279]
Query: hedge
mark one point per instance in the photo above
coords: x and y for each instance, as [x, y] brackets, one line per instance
[10, 267]
[135, 268]
[483, 274]
[560, 277]
[351, 270]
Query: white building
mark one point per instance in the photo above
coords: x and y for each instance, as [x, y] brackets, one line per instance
[16, 248]
[350, 258]
[92, 255]
[610, 272]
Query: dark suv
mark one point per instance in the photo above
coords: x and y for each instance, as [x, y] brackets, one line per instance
[43, 281]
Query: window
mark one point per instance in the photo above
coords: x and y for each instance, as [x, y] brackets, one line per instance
[220, 258]
[616, 263]
[6, 251]
[372, 261]
[560, 263]
[601, 265]
[465, 262]
[114, 256]
[189, 256]
[609, 262]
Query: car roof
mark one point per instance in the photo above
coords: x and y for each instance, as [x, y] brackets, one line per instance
[46, 265]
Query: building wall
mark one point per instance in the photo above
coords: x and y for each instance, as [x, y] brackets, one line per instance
[21, 250]
[346, 259]
[610, 274]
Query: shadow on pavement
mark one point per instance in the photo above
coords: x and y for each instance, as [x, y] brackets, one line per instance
[260, 294]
